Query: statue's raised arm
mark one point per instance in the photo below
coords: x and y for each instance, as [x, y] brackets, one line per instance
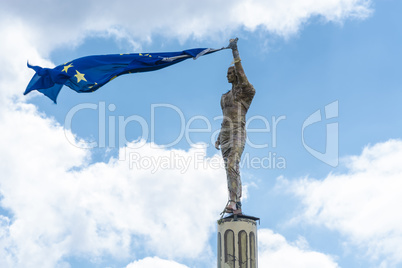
[241, 76]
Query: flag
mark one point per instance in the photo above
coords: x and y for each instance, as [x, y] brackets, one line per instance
[89, 73]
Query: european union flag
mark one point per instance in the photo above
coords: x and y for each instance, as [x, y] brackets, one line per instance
[88, 74]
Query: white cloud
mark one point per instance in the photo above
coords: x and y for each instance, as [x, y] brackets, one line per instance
[103, 209]
[362, 204]
[53, 23]
[16, 48]
[100, 209]
[286, 17]
[275, 251]
[155, 262]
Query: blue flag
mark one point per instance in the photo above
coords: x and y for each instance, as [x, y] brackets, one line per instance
[88, 74]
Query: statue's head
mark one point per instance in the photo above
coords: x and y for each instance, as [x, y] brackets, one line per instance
[231, 75]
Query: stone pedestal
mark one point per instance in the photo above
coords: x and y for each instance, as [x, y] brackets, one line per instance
[237, 242]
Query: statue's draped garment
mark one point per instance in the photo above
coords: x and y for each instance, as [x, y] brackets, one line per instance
[235, 104]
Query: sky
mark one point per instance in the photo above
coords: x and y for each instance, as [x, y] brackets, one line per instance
[128, 176]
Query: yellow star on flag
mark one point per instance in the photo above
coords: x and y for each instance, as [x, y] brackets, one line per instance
[80, 76]
[65, 69]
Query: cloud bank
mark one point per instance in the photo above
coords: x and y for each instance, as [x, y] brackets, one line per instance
[363, 204]
[102, 209]
[275, 251]
[55, 23]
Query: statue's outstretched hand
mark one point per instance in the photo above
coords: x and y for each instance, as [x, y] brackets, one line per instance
[233, 43]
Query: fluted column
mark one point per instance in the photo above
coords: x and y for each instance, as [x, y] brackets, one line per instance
[237, 242]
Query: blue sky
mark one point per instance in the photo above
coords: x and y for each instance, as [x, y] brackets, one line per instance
[150, 192]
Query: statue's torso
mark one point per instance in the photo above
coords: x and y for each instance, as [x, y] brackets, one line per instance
[235, 104]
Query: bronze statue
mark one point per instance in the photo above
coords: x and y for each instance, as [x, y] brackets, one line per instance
[232, 137]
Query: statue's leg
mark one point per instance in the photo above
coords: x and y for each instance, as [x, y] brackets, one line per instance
[232, 150]
[233, 175]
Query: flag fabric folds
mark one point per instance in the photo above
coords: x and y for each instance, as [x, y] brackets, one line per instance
[89, 73]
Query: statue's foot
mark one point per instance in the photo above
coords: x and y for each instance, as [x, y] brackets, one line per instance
[233, 207]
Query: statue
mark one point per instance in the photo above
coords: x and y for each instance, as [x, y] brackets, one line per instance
[232, 137]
